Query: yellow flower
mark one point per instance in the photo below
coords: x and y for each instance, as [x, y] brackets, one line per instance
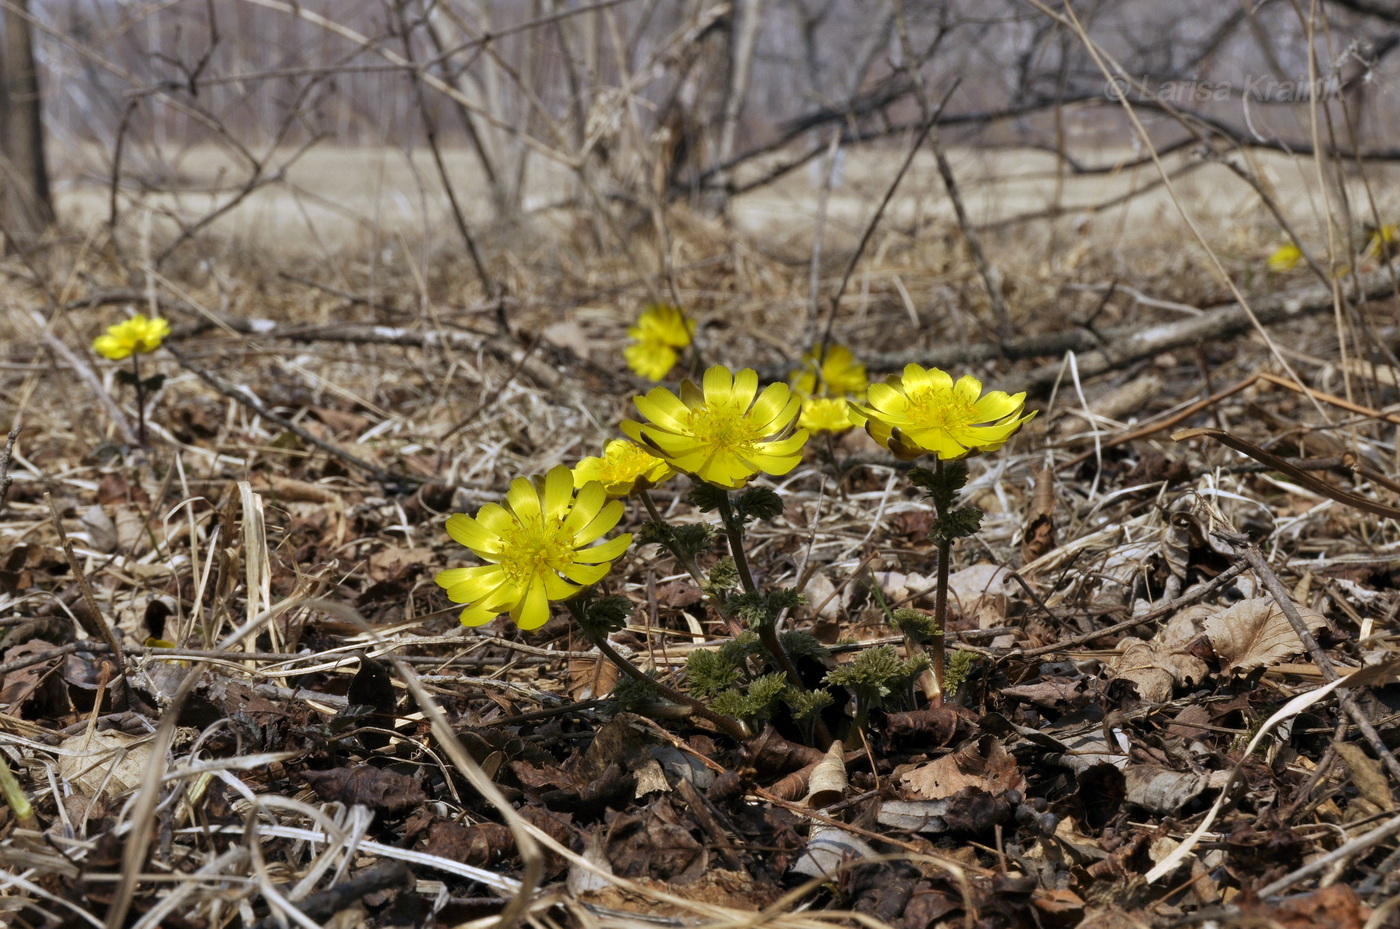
[533, 548]
[724, 431]
[651, 360]
[1285, 258]
[1383, 240]
[660, 332]
[923, 411]
[841, 374]
[825, 414]
[137, 334]
[624, 469]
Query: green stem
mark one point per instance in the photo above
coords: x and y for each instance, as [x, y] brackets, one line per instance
[726, 724]
[767, 630]
[140, 398]
[16, 798]
[684, 559]
[940, 596]
[734, 532]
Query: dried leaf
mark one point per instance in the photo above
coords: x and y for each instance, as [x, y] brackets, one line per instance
[981, 593]
[1038, 537]
[983, 763]
[1255, 634]
[99, 529]
[377, 789]
[482, 844]
[1156, 668]
[831, 850]
[107, 763]
[828, 781]
[1367, 775]
[1161, 790]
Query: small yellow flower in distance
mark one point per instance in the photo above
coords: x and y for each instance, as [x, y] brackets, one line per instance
[534, 549]
[841, 374]
[722, 431]
[923, 411]
[1383, 241]
[624, 468]
[661, 331]
[825, 414]
[137, 334]
[651, 360]
[1285, 258]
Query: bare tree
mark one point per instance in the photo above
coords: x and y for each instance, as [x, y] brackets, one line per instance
[26, 209]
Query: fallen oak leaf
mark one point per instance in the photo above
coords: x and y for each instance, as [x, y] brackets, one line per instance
[1254, 633]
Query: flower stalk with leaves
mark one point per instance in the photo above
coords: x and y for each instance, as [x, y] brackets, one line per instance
[133, 338]
[923, 411]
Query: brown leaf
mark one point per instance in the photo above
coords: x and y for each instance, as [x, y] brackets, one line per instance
[1161, 790]
[591, 677]
[379, 790]
[482, 844]
[1254, 633]
[1038, 537]
[932, 727]
[983, 763]
[656, 843]
[1156, 668]
[1367, 775]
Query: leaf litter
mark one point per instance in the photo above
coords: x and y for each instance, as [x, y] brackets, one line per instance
[1139, 737]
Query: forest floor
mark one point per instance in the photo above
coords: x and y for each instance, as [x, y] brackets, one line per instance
[240, 698]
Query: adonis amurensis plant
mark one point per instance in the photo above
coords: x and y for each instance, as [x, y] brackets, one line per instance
[547, 542]
[137, 336]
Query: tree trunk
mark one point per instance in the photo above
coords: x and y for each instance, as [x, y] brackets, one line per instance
[26, 209]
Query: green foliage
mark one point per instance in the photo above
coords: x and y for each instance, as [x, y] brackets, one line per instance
[806, 704]
[710, 673]
[629, 693]
[601, 616]
[960, 664]
[724, 577]
[916, 624]
[958, 524]
[693, 538]
[799, 644]
[756, 703]
[706, 497]
[690, 538]
[760, 608]
[874, 674]
[762, 503]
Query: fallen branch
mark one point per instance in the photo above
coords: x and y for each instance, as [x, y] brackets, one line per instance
[1121, 346]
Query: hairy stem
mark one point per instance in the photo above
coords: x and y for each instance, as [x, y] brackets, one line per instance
[684, 559]
[726, 724]
[140, 398]
[767, 630]
[940, 595]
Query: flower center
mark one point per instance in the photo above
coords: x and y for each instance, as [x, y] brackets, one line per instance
[931, 408]
[533, 547]
[725, 427]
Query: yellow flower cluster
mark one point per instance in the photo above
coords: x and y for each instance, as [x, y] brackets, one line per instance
[825, 382]
[661, 332]
[137, 335]
[543, 546]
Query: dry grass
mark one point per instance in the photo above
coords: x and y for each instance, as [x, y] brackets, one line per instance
[341, 566]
